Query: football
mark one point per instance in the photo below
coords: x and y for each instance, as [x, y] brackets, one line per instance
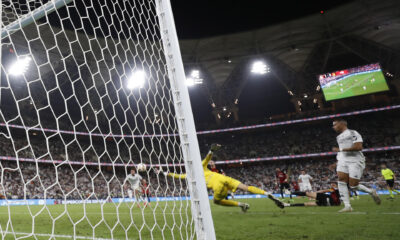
[141, 167]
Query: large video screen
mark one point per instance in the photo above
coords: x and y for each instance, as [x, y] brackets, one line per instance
[353, 82]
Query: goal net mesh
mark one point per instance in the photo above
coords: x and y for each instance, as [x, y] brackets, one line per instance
[85, 97]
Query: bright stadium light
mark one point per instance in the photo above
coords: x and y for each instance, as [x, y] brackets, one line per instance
[259, 67]
[195, 74]
[194, 78]
[189, 82]
[20, 66]
[136, 80]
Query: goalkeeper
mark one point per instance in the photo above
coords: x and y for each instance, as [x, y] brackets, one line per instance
[221, 184]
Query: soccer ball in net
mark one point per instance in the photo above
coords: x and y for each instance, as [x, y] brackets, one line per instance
[141, 167]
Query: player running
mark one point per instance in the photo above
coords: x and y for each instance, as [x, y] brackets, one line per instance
[134, 180]
[221, 184]
[328, 197]
[305, 182]
[389, 176]
[350, 164]
[282, 179]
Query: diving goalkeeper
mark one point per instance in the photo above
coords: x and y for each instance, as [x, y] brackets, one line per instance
[221, 184]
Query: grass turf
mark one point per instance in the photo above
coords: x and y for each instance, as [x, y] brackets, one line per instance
[262, 221]
[356, 85]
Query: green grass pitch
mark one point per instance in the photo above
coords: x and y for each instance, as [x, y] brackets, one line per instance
[356, 85]
[262, 221]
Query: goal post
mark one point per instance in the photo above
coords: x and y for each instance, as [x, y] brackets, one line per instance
[187, 131]
[90, 89]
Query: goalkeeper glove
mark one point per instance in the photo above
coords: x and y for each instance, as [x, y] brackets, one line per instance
[215, 147]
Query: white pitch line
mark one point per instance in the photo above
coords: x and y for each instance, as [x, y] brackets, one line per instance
[108, 213]
[286, 211]
[312, 213]
[53, 235]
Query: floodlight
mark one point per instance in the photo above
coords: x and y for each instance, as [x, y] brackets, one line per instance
[194, 78]
[259, 67]
[20, 66]
[136, 80]
[189, 82]
[195, 74]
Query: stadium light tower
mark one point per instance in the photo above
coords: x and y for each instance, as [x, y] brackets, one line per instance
[20, 66]
[136, 80]
[194, 78]
[259, 67]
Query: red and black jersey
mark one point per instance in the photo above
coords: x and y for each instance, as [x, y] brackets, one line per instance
[334, 197]
[295, 186]
[145, 189]
[281, 176]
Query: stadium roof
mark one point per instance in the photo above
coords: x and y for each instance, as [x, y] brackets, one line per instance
[296, 51]
[299, 49]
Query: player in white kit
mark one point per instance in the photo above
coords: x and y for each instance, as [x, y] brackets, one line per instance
[134, 180]
[305, 182]
[350, 163]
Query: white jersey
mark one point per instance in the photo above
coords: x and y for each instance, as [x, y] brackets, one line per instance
[134, 180]
[305, 179]
[346, 140]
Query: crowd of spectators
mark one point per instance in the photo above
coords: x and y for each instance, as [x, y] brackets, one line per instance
[321, 170]
[377, 130]
[334, 76]
[38, 181]
[74, 181]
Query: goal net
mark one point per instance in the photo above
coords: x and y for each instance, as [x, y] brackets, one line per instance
[91, 89]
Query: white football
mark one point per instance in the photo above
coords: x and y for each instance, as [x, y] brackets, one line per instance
[141, 167]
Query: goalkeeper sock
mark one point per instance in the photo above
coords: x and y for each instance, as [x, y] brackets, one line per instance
[362, 188]
[394, 190]
[229, 203]
[297, 205]
[344, 193]
[300, 193]
[391, 193]
[255, 190]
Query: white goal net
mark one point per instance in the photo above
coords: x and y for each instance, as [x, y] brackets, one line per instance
[89, 91]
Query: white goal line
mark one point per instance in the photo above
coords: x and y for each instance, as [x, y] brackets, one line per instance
[54, 235]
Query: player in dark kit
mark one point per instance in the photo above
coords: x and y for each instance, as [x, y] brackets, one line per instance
[145, 192]
[328, 197]
[282, 178]
[296, 186]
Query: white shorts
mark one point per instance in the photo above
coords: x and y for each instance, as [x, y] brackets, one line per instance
[307, 187]
[301, 186]
[136, 188]
[353, 168]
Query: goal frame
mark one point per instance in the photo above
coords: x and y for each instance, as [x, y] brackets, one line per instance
[200, 203]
